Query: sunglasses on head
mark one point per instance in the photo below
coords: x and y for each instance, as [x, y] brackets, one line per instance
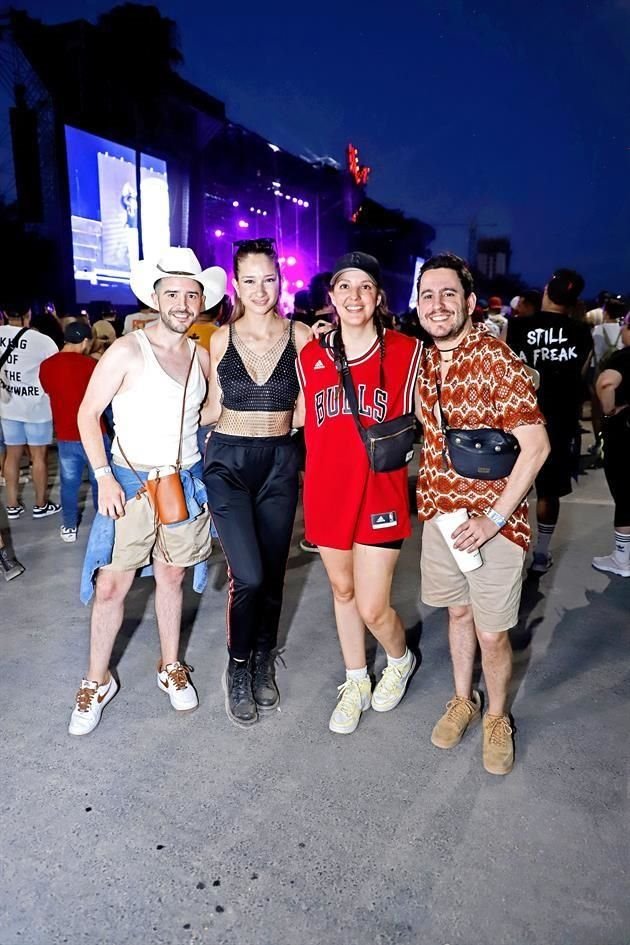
[263, 245]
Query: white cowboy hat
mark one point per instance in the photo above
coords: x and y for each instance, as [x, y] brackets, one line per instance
[178, 261]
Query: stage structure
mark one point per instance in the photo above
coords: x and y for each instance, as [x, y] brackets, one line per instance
[109, 169]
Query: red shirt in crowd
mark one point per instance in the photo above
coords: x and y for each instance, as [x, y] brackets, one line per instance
[64, 377]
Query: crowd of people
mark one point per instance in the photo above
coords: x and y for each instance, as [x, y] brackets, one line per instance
[191, 408]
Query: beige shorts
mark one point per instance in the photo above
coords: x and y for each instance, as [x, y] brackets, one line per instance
[137, 542]
[494, 590]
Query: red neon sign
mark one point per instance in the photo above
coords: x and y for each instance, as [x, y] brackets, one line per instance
[359, 173]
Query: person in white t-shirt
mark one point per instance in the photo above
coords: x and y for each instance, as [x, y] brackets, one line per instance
[139, 319]
[25, 411]
[607, 335]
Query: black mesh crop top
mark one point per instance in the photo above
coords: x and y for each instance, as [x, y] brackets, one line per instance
[280, 387]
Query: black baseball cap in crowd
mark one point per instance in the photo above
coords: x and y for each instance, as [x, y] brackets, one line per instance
[76, 332]
[362, 261]
[565, 287]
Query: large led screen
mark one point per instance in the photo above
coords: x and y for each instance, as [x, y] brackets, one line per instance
[104, 214]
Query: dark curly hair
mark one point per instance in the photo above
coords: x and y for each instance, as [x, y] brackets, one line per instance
[450, 261]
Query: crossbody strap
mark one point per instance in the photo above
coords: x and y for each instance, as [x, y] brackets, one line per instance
[181, 424]
[438, 387]
[343, 369]
[11, 346]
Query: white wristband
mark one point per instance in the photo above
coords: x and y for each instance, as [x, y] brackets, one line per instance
[101, 471]
[495, 517]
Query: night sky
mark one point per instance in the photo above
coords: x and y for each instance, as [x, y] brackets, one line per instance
[512, 113]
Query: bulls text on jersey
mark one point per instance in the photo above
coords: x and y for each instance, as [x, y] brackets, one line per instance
[327, 403]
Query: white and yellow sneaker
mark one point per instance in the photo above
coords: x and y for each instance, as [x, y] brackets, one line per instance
[392, 685]
[90, 701]
[174, 680]
[354, 698]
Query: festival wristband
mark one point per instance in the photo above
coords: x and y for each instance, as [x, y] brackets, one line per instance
[101, 471]
[495, 517]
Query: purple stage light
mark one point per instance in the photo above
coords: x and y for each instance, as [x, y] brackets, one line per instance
[291, 260]
[306, 204]
[243, 224]
[299, 284]
[235, 203]
[218, 232]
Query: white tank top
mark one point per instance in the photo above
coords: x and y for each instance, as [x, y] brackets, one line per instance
[147, 414]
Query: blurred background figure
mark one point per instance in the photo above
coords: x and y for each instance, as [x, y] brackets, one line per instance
[103, 335]
[529, 303]
[595, 316]
[496, 321]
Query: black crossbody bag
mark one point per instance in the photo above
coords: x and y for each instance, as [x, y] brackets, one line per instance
[389, 444]
[486, 453]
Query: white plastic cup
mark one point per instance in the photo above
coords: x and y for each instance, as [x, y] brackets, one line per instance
[447, 522]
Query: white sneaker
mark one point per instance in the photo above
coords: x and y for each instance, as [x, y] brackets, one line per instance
[68, 534]
[612, 564]
[392, 685]
[90, 701]
[174, 680]
[43, 511]
[354, 698]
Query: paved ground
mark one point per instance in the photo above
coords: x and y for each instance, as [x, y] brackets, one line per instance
[165, 830]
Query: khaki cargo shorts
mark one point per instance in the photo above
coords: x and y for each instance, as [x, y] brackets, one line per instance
[138, 539]
[494, 589]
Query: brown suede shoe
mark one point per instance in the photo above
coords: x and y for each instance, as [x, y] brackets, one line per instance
[460, 713]
[498, 744]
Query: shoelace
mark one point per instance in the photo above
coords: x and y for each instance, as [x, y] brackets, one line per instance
[349, 696]
[500, 731]
[241, 687]
[178, 675]
[85, 695]
[392, 675]
[458, 710]
[263, 670]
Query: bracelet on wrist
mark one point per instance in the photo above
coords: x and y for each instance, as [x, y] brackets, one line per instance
[101, 471]
[495, 517]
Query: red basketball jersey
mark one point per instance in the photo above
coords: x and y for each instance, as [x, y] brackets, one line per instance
[344, 500]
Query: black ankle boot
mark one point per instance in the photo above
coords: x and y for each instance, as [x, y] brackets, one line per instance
[11, 567]
[264, 680]
[239, 700]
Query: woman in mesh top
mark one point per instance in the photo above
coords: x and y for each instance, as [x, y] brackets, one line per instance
[251, 471]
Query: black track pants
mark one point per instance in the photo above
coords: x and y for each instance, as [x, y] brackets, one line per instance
[252, 485]
[616, 453]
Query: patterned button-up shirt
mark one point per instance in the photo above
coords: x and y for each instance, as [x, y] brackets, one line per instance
[486, 386]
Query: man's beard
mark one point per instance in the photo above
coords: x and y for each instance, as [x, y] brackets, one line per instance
[461, 318]
[180, 328]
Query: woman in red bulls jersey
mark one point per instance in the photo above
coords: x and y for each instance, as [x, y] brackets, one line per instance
[361, 532]
[251, 471]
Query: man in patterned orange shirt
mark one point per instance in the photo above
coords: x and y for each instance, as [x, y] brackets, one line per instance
[482, 384]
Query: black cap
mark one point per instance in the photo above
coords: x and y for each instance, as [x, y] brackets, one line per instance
[76, 332]
[565, 287]
[362, 261]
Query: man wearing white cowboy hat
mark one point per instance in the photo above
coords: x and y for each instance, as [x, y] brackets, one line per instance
[155, 379]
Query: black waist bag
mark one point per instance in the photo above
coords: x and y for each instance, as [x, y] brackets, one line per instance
[486, 453]
[482, 454]
[389, 444]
